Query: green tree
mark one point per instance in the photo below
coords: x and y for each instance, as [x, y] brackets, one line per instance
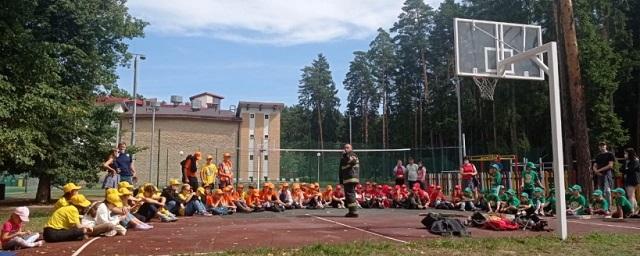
[317, 93]
[53, 54]
[363, 100]
[383, 61]
[412, 31]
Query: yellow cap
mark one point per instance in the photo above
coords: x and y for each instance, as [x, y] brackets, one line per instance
[114, 199]
[219, 191]
[80, 200]
[111, 191]
[70, 187]
[174, 182]
[124, 192]
[201, 190]
[124, 184]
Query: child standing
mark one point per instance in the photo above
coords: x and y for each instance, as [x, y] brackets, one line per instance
[13, 236]
[577, 203]
[530, 178]
[496, 176]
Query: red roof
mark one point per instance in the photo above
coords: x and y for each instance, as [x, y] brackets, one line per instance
[207, 94]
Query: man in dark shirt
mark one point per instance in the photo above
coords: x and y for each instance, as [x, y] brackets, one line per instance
[602, 169]
[349, 178]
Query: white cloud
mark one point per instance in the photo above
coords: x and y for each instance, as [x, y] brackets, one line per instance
[279, 22]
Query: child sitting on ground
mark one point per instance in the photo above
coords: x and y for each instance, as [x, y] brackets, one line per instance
[623, 207]
[69, 189]
[360, 201]
[298, 197]
[337, 198]
[270, 200]
[492, 201]
[215, 203]
[466, 202]
[549, 205]
[253, 200]
[65, 225]
[512, 203]
[526, 207]
[399, 198]
[191, 202]
[537, 201]
[456, 196]
[422, 195]
[576, 203]
[284, 194]
[313, 198]
[228, 200]
[13, 237]
[327, 196]
[598, 204]
[438, 199]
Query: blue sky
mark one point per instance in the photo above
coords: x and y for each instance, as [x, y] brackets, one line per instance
[249, 50]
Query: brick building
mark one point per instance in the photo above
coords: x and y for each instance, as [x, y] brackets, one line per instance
[247, 131]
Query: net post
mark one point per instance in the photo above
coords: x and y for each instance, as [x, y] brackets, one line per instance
[556, 134]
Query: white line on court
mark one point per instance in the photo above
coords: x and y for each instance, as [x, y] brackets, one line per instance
[606, 225]
[84, 246]
[366, 231]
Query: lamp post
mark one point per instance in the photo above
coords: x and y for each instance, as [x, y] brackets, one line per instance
[155, 106]
[318, 155]
[136, 56]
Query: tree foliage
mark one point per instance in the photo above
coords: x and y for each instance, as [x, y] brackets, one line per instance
[53, 56]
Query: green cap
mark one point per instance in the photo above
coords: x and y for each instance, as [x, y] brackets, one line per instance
[597, 192]
[538, 190]
[531, 165]
[576, 187]
[524, 194]
[467, 190]
[511, 192]
[619, 191]
[495, 166]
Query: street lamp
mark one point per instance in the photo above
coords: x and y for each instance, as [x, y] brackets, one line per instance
[318, 155]
[136, 56]
[153, 107]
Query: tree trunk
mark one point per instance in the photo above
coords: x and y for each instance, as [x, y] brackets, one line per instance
[567, 122]
[366, 121]
[384, 117]
[415, 128]
[43, 194]
[638, 118]
[320, 126]
[426, 90]
[577, 97]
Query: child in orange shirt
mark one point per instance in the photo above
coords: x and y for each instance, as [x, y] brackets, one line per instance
[253, 200]
[227, 199]
[327, 196]
[239, 200]
[217, 205]
[456, 196]
[298, 197]
[313, 198]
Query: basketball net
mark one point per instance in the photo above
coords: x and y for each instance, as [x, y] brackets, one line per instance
[487, 86]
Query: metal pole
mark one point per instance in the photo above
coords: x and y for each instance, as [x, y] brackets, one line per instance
[153, 135]
[158, 160]
[464, 145]
[135, 98]
[166, 169]
[318, 154]
[556, 134]
[259, 166]
[460, 140]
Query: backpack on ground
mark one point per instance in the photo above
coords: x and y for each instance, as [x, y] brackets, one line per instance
[430, 219]
[478, 219]
[449, 227]
[500, 224]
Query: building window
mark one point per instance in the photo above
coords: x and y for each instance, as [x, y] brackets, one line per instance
[252, 116]
[266, 116]
[250, 157]
[266, 136]
[266, 158]
[251, 136]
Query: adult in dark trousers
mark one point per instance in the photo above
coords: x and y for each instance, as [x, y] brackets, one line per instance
[602, 169]
[124, 164]
[349, 178]
[190, 171]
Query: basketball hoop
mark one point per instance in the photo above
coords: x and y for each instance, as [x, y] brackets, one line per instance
[487, 86]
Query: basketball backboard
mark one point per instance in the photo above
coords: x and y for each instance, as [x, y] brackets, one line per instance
[480, 45]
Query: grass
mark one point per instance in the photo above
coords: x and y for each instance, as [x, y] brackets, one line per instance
[593, 244]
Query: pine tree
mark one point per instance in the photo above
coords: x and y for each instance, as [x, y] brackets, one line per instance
[363, 99]
[317, 93]
[383, 61]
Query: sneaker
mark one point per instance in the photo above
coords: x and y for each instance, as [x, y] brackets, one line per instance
[351, 215]
[143, 227]
[164, 219]
[111, 233]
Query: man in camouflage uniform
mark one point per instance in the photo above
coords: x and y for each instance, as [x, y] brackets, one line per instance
[349, 178]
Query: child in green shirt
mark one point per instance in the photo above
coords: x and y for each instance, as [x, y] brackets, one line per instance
[598, 204]
[525, 207]
[512, 203]
[577, 203]
[466, 204]
[492, 201]
[530, 179]
[496, 176]
[549, 206]
[623, 206]
[538, 201]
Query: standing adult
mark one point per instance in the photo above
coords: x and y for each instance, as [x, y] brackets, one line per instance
[602, 169]
[631, 171]
[225, 171]
[208, 172]
[412, 172]
[112, 178]
[191, 170]
[422, 174]
[350, 178]
[469, 172]
[399, 172]
[124, 164]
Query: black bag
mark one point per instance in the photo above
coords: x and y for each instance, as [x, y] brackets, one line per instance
[478, 219]
[430, 219]
[183, 166]
[449, 227]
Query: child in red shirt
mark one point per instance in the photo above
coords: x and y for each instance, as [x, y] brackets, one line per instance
[12, 235]
[438, 200]
[456, 196]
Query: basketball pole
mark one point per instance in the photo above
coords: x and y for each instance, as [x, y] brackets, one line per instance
[556, 121]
